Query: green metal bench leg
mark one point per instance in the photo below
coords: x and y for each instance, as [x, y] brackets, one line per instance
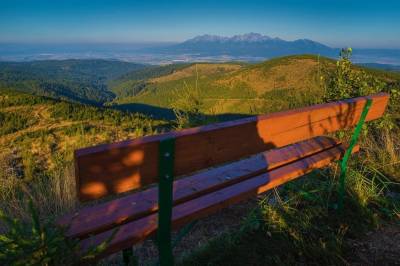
[165, 200]
[353, 141]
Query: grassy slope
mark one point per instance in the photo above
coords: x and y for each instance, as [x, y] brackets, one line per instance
[235, 88]
[238, 88]
[36, 158]
[41, 128]
[132, 83]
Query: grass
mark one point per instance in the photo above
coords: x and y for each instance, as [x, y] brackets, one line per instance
[52, 192]
[232, 88]
[296, 224]
[36, 157]
[299, 223]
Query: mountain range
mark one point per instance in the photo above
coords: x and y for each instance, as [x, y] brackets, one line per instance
[250, 45]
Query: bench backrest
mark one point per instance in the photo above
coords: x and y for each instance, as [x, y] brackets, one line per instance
[119, 167]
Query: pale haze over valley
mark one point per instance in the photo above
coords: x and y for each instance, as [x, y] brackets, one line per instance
[193, 31]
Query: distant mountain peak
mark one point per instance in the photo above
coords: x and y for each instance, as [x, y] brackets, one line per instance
[251, 37]
[207, 38]
[247, 37]
[247, 45]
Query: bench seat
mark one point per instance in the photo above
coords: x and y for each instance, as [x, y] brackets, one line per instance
[201, 170]
[134, 216]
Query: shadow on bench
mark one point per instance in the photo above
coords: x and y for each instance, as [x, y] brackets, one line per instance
[202, 170]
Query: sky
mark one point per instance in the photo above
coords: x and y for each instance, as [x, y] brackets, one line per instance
[337, 23]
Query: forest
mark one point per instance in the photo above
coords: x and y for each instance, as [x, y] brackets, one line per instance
[48, 110]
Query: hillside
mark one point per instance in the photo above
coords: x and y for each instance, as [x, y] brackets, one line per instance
[35, 131]
[298, 222]
[131, 83]
[218, 89]
[238, 88]
[76, 80]
[232, 87]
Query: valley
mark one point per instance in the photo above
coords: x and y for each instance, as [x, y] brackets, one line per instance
[192, 133]
[44, 112]
[50, 108]
[75, 80]
[56, 103]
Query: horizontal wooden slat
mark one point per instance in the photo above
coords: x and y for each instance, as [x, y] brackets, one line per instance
[104, 216]
[136, 231]
[119, 167]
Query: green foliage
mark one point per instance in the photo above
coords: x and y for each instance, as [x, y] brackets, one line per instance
[34, 243]
[233, 92]
[38, 243]
[150, 72]
[9, 98]
[288, 98]
[128, 88]
[76, 112]
[77, 80]
[187, 108]
[348, 82]
[394, 90]
[132, 83]
[12, 122]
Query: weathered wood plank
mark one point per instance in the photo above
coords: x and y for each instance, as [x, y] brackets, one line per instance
[123, 166]
[136, 231]
[95, 219]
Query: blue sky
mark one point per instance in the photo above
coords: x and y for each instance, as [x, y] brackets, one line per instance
[338, 23]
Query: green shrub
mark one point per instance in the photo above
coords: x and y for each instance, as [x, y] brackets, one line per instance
[347, 81]
[34, 243]
[38, 243]
[188, 108]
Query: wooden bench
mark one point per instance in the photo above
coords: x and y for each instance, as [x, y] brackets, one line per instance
[202, 170]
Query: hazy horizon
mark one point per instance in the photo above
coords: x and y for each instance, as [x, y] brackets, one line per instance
[359, 24]
[160, 42]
